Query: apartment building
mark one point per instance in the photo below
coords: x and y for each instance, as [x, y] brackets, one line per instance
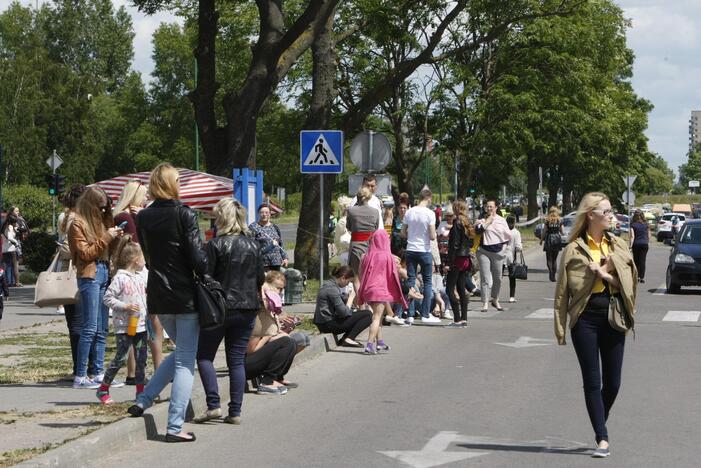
[694, 130]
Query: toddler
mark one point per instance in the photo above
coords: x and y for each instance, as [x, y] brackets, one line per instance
[126, 295]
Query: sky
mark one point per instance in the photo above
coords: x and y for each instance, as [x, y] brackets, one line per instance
[665, 36]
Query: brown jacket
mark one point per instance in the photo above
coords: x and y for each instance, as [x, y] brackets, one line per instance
[575, 281]
[84, 252]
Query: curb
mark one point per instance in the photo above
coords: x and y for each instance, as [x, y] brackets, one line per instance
[83, 451]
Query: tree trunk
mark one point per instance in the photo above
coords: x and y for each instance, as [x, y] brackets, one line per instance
[553, 186]
[307, 258]
[566, 195]
[532, 186]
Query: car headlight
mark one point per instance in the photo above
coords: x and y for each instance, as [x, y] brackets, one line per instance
[683, 258]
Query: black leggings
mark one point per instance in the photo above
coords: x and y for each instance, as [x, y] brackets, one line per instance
[74, 321]
[458, 280]
[639, 256]
[350, 326]
[512, 287]
[593, 337]
[551, 259]
[272, 361]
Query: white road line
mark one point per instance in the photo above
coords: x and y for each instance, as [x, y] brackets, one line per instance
[682, 316]
[660, 291]
[546, 313]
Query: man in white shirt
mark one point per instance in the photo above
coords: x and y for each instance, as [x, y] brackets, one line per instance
[420, 229]
[370, 181]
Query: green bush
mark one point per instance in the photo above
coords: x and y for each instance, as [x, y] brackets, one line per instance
[38, 250]
[34, 204]
[294, 202]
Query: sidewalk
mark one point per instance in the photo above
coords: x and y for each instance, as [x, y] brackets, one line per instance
[39, 412]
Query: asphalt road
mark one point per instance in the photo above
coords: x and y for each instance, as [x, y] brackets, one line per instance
[497, 394]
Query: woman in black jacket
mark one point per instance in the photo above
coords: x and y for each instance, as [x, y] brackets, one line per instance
[169, 235]
[235, 260]
[458, 265]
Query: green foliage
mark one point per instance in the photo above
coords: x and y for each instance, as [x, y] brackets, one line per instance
[38, 250]
[294, 201]
[34, 204]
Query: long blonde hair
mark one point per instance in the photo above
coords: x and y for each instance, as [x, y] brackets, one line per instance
[460, 212]
[553, 215]
[133, 194]
[94, 207]
[589, 203]
[163, 183]
[230, 217]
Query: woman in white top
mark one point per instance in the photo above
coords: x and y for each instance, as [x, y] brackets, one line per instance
[512, 249]
[10, 243]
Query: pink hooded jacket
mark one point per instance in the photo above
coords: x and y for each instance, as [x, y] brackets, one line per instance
[379, 280]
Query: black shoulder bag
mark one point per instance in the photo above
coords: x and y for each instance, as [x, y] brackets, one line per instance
[210, 299]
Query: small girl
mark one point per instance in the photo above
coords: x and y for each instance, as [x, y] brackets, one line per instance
[126, 296]
[379, 285]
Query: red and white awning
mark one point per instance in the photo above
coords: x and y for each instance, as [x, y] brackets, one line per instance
[199, 190]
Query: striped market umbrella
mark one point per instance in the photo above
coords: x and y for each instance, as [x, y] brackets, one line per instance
[199, 190]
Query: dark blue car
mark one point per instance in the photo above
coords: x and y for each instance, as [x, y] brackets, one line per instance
[684, 267]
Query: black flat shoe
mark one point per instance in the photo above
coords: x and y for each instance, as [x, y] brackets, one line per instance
[351, 344]
[494, 304]
[176, 438]
[135, 411]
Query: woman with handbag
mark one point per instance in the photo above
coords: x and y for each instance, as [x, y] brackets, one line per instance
[169, 235]
[91, 238]
[551, 236]
[596, 273]
[235, 261]
[10, 247]
[494, 235]
[460, 239]
[513, 249]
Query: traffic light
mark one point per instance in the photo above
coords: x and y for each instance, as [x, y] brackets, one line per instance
[60, 182]
[472, 190]
[51, 182]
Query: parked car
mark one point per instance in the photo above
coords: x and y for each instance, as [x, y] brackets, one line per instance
[664, 225]
[684, 268]
[623, 222]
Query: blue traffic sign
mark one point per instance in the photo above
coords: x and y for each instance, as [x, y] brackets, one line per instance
[321, 151]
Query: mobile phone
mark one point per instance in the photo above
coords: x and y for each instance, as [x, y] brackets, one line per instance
[123, 224]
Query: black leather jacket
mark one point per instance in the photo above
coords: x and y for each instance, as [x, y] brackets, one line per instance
[237, 263]
[459, 244]
[174, 254]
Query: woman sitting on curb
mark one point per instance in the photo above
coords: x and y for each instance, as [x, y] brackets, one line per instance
[333, 313]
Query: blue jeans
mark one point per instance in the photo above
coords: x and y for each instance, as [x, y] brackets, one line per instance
[95, 316]
[593, 337]
[235, 333]
[179, 366]
[425, 259]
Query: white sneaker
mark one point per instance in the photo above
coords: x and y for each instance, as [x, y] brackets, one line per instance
[408, 322]
[84, 382]
[395, 320]
[60, 310]
[430, 319]
[448, 314]
[115, 383]
[512, 300]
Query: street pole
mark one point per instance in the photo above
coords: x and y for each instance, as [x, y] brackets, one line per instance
[321, 226]
[197, 133]
[53, 199]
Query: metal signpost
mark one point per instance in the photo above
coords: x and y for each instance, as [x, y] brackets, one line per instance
[628, 195]
[54, 163]
[321, 152]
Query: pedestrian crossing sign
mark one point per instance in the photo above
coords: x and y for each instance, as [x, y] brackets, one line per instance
[321, 151]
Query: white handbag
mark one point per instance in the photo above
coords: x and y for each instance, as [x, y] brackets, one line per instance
[54, 288]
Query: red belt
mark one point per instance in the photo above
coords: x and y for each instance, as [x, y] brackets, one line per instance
[361, 236]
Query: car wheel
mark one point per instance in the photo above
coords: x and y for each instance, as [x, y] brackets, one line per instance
[672, 288]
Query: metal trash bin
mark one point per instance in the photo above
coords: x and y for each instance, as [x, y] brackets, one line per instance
[296, 282]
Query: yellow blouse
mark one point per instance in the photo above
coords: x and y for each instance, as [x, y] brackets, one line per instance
[597, 250]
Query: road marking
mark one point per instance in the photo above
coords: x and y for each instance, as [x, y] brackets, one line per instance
[433, 453]
[546, 313]
[660, 291]
[549, 299]
[682, 316]
[527, 342]
[478, 313]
